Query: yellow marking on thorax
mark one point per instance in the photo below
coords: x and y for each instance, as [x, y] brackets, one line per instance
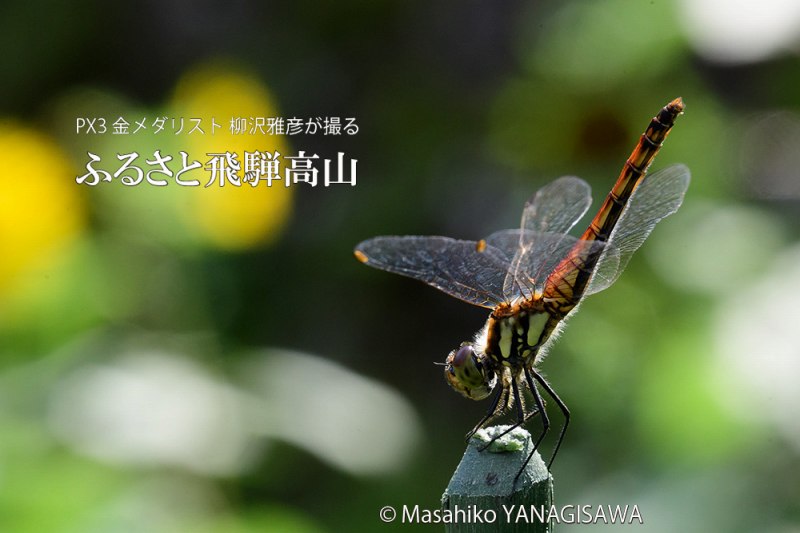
[506, 333]
[536, 326]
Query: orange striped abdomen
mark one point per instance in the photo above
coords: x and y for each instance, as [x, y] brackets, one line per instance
[570, 277]
[633, 172]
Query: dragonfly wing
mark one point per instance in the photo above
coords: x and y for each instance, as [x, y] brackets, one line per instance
[508, 241]
[657, 197]
[557, 206]
[471, 271]
[543, 252]
[552, 211]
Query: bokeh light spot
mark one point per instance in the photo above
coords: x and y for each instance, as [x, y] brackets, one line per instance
[41, 208]
[351, 422]
[739, 31]
[758, 339]
[231, 217]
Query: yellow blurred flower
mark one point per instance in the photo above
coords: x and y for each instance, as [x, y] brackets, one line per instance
[41, 207]
[227, 216]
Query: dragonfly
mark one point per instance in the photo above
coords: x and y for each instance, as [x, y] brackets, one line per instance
[533, 278]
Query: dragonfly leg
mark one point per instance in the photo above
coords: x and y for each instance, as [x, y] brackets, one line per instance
[561, 405]
[522, 416]
[498, 404]
[545, 419]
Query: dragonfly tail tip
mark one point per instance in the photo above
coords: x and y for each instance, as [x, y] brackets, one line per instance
[677, 104]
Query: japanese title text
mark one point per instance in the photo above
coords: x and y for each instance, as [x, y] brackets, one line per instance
[224, 168]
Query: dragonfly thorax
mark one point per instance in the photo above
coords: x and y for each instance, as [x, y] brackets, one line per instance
[513, 339]
[507, 343]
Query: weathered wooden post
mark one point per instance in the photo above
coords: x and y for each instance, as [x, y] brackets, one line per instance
[483, 494]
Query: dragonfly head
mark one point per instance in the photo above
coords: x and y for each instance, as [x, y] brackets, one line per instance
[468, 373]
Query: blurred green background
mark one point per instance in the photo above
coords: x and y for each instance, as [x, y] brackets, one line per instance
[215, 360]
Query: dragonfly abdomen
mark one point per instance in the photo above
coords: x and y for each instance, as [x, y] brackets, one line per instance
[567, 282]
[633, 172]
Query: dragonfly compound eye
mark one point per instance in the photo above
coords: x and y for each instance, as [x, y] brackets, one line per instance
[467, 373]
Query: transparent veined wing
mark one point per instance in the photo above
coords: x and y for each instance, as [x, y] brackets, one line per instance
[548, 215]
[659, 195]
[545, 251]
[557, 207]
[471, 271]
[569, 278]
